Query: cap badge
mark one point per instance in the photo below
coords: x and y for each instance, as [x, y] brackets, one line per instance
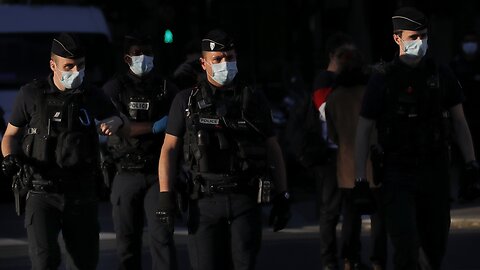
[212, 45]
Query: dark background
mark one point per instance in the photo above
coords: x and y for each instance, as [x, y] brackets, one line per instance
[280, 43]
[280, 40]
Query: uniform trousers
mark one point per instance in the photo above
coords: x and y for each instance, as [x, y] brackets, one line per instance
[135, 197]
[224, 232]
[76, 216]
[417, 209]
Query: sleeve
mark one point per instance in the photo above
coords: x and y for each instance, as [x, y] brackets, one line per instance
[373, 100]
[112, 90]
[102, 105]
[176, 116]
[20, 112]
[454, 93]
[265, 113]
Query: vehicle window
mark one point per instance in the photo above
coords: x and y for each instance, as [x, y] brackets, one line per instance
[26, 56]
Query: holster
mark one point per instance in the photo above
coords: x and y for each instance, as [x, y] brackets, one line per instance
[20, 195]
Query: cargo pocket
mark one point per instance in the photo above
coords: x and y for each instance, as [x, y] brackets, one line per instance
[28, 213]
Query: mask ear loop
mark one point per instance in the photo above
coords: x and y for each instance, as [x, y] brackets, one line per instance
[86, 121]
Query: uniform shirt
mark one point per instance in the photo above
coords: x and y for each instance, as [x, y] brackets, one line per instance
[176, 119]
[97, 105]
[373, 105]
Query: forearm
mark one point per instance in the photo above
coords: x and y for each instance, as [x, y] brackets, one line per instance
[140, 128]
[10, 141]
[167, 163]
[9, 145]
[464, 140]
[275, 161]
[362, 146]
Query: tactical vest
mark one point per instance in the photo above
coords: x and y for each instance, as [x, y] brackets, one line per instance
[415, 123]
[225, 135]
[147, 104]
[61, 133]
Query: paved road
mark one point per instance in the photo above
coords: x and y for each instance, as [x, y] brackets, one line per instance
[295, 248]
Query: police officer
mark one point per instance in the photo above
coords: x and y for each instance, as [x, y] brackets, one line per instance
[145, 97]
[58, 158]
[225, 130]
[412, 101]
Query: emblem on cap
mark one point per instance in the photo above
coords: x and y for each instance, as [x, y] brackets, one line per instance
[212, 45]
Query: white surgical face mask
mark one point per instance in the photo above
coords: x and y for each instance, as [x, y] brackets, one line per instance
[141, 64]
[470, 48]
[72, 79]
[224, 73]
[417, 47]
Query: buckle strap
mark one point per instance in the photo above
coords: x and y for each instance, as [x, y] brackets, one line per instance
[32, 131]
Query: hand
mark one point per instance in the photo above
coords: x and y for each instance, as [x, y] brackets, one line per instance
[160, 125]
[362, 197]
[470, 182]
[11, 164]
[280, 214]
[110, 125]
[165, 211]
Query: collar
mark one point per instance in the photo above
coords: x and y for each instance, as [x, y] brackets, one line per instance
[138, 80]
[53, 89]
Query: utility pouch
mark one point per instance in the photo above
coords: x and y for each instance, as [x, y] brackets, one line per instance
[38, 147]
[72, 149]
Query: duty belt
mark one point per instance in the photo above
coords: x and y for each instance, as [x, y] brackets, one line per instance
[211, 184]
[60, 186]
[134, 162]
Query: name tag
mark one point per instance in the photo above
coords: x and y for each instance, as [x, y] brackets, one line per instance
[209, 121]
[139, 105]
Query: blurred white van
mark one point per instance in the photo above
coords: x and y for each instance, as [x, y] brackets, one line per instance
[26, 33]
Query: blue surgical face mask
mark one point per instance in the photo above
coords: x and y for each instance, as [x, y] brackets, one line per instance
[72, 79]
[417, 47]
[470, 48]
[224, 73]
[141, 64]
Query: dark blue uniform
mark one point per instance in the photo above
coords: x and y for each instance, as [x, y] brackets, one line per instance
[135, 187]
[410, 106]
[224, 222]
[62, 144]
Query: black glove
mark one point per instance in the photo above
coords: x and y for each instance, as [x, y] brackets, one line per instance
[470, 182]
[280, 214]
[11, 164]
[165, 211]
[362, 197]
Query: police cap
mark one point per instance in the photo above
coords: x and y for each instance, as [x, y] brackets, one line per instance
[136, 39]
[409, 18]
[67, 45]
[217, 41]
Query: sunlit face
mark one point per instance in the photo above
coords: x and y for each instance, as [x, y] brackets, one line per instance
[408, 35]
[59, 64]
[209, 58]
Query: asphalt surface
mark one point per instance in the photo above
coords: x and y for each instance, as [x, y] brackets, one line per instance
[296, 247]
